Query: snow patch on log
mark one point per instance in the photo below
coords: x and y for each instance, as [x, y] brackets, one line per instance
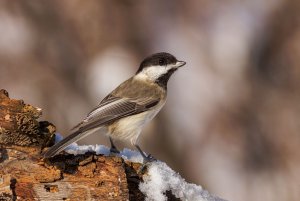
[159, 178]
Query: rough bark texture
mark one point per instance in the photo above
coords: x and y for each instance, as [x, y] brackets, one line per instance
[66, 177]
[25, 175]
[19, 125]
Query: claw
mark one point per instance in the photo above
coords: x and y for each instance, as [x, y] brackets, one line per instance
[146, 158]
[149, 159]
[114, 150]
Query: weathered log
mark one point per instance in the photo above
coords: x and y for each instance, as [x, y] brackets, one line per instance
[26, 175]
[66, 177]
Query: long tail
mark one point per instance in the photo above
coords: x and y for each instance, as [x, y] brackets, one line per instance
[73, 137]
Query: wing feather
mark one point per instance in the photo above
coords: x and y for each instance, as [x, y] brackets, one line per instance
[114, 110]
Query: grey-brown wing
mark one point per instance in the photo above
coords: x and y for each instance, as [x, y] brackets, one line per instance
[113, 109]
[107, 100]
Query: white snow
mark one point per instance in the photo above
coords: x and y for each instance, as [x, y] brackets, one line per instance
[162, 178]
[75, 149]
[159, 178]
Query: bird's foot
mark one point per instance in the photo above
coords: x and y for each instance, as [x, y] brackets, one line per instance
[148, 159]
[114, 150]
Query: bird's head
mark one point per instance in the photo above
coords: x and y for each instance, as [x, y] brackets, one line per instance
[159, 67]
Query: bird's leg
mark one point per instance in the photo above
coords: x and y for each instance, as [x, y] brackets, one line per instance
[146, 158]
[113, 148]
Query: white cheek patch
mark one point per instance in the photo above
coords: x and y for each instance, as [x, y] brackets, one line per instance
[154, 72]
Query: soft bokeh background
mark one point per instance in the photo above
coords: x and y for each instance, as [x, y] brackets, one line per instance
[232, 119]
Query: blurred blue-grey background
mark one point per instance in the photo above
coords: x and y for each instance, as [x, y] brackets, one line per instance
[232, 119]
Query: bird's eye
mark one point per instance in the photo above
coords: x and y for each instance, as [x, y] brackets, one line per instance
[162, 62]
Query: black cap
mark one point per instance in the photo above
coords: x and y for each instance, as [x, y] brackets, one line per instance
[158, 59]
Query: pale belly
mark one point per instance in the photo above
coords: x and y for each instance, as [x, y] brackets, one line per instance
[129, 128]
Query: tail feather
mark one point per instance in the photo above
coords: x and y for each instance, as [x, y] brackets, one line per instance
[73, 137]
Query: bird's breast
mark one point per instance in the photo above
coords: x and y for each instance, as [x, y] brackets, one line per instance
[130, 127]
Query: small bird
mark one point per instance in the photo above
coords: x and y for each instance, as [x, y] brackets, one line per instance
[127, 109]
